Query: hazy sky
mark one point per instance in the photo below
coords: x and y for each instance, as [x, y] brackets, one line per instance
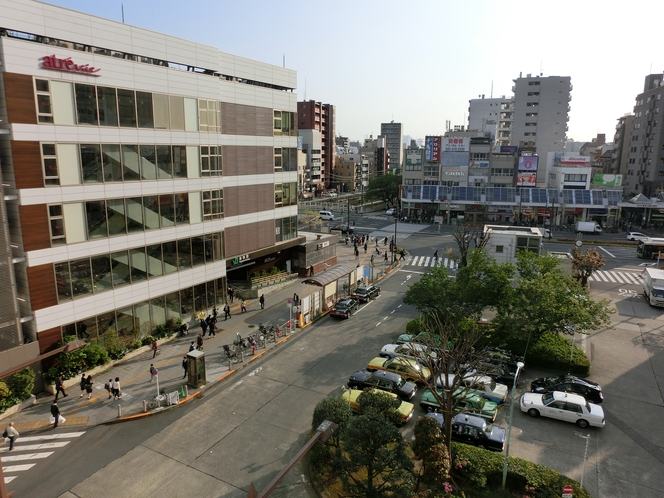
[420, 62]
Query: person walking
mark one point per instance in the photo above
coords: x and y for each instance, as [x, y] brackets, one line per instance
[243, 306]
[185, 362]
[60, 387]
[11, 433]
[88, 386]
[227, 312]
[192, 346]
[204, 325]
[109, 388]
[231, 293]
[385, 256]
[213, 328]
[199, 342]
[82, 384]
[402, 254]
[435, 255]
[357, 253]
[117, 393]
[215, 313]
[154, 372]
[55, 413]
[262, 301]
[366, 246]
[371, 260]
[155, 348]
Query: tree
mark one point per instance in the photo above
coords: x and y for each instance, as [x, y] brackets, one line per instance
[586, 263]
[384, 188]
[310, 219]
[380, 402]
[335, 410]
[375, 463]
[469, 237]
[429, 447]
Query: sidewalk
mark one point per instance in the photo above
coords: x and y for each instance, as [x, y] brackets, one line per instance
[134, 373]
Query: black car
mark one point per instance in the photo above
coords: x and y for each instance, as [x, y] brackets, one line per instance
[385, 381]
[344, 229]
[500, 372]
[474, 430]
[344, 308]
[569, 384]
[364, 294]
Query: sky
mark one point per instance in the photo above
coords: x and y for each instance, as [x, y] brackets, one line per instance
[419, 62]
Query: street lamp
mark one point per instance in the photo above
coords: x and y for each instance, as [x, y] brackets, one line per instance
[519, 366]
[571, 349]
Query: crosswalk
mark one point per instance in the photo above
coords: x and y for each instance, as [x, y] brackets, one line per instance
[616, 277]
[430, 262]
[29, 450]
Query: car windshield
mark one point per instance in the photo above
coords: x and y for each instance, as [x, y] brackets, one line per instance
[552, 381]
[493, 384]
[361, 291]
[588, 407]
[547, 398]
[401, 383]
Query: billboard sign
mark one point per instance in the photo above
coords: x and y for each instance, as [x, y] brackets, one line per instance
[577, 160]
[504, 149]
[455, 144]
[526, 179]
[607, 180]
[432, 149]
[528, 163]
[479, 164]
[455, 174]
[455, 158]
[413, 157]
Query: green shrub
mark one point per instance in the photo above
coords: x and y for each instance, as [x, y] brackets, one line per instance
[95, 355]
[136, 344]
[552, 351]
[146, 341]
[5, 392]
[416, 326]
[274, 270]
[22, 383]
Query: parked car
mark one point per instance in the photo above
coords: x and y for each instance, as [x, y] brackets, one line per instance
[344, 308]
[486, 387]
[390, 212]
[422, 337]
[385, 381]
[505, 357]
[413, 350]
[467, 402]
[592, 391]
[344, 229]
[473, 430]
[407, 368]
[352, 397]
[499, 372]
[563, 406]
[364, 294]
[636, 236]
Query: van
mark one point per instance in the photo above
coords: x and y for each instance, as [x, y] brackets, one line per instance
[326, 215]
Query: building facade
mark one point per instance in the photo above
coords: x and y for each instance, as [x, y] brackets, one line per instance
[316, 116]
[141, 174]
[484, 115]
[393, 133]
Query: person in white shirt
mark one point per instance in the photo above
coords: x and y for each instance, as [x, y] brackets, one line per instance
[12, 434]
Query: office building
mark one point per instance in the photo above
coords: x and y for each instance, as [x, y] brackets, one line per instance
[393, 133]
[622, 143]
[315, 116]
[141, 174]
[484, 115]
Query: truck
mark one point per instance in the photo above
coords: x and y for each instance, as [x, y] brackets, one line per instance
[588, 227]
[653, 286]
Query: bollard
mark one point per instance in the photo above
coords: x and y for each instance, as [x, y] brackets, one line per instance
[186, 391]
[242, 356]
[145, 406]
[119, 411]
[274, 336]
[230, 364]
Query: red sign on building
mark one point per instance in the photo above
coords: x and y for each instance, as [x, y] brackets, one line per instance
[435, 152]
[67, 65]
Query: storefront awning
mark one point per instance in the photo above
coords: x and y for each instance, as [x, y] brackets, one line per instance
[331, 275]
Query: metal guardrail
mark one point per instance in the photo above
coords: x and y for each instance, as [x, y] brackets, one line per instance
[260, 282]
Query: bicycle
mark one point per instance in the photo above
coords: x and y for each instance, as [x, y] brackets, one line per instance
[156, 401]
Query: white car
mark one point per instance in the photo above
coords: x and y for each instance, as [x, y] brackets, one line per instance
[483, 385]
[412, 350]
[563, 406]
[636, 236]
[390, 212]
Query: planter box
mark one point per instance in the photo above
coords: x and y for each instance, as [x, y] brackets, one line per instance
[12, 410]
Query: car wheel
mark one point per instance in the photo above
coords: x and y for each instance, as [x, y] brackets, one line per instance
[582, 423]
[348, 315]
[533, 413]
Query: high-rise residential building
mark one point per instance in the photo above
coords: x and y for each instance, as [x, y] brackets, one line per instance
[622, 143]
[141, 174]
[645, 169]
[375, 154]
[393, 133]
[312, 144]
[312, 115]
[484, 115]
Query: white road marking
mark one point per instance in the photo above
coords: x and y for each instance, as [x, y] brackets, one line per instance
[607, 252]
[235, 385]
[392, 311]
[18, 468]
[411, 271]
[254, 372]
[20, 447]
[64, 435]
[399, 306]
[27, 456]
[10, 479]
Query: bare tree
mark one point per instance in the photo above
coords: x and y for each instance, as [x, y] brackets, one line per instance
[468, 237]
[585, 263]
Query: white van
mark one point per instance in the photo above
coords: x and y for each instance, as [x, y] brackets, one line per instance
[326, 215]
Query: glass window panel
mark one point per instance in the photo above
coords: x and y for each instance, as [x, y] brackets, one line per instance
[182, 208]
[130, 163]
[86, 104]
[184, 254]
[200, 298]
[148, 162]
[120, 264]
[142, 320]
[167, 210]
[101, 273]
[42, 85]
[177, 112]
[208, 251]
[43, 104]
[134, 214]
[63, 281]
[106, 322]
[127, 108]
[186, 301]
[57, 229]
[164, 161]
[220, 290]
[91, 163]
[170, 252]
[87, 329]
[218, 246]
[125, 321]
[139, 268]
[95, 212]
[158, 305]
[110, 154]
[161, 118]
[117, 221]
[81, 278]
[173, 305]
[198, 251]
[144, 110]
[179, 161]
[108, 106]
[150, 212]
[155, 264]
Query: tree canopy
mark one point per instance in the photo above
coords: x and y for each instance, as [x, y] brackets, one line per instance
[585, 263]
[384, 188]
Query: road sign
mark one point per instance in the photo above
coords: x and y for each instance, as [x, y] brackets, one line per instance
[289, 303]
[567, 491]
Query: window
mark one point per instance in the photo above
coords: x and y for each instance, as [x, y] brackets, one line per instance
[110, 155]
[144, 110]
[127, 108]
[479, 156]
[108, 106]
[209, 116]
[50, 165]
[161, 111]
[91, 165]
[533, 83]
[499, 249]
[164, 162]
[278, 195]
[531, 124]
[57, 224]
[44, 107]
[86, 104]
[213, 204]
[413, 181]
[210, 160]
[533, 94]
[130, 163]
[530, 134]
[284, 123]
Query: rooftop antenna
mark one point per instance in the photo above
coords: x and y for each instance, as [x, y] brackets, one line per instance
[284, 60]
[541, 68]
[491, 88]
[305, 88]
[122, 5]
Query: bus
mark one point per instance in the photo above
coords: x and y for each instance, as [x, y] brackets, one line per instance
[650, 248]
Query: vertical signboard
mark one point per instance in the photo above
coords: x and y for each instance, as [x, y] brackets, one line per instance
[432, 148]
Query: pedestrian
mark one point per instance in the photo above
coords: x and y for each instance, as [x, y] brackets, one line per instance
[227, 312]
[215, 313]
[371, 260]
[55, 413]
[11, 433]
[109, 388]
[311, 271]
[347, 239]
[213, 328]
[154, 372]
[385, 241]
[199, 342]
[155, 348]
[88, 386]
[357, 253]
[403, 254]
[185, 362]
[205, 324]
[262, 301]
[365, 247]
[435, 255]
[377, 249]
[115, 389]
[60, 387]
[184, 329]
[231, 293]
[296, 298]
[243, 306]
[385, 256]
[192, 346]
[82, 384]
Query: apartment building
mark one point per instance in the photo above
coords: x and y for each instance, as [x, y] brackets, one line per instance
[316, 116]
[484, 115]
[393, 133]
[622, 143]
[375, 155]
[141, 173]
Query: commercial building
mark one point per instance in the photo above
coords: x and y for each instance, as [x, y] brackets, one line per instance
[319, 117]
[141, 174]
[393, 133]
[374, 152]
[484, 115]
